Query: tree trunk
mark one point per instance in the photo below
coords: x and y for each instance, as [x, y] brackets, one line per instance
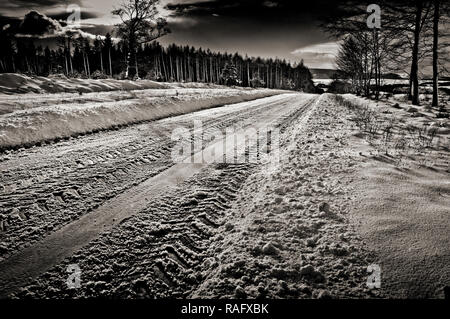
[164, 67]
[101, 60]
[377, 66]
[435, 53]
[110, 64]
[84, 64]
[177, 77]
[128, 65]
[131, 61]
[131, 64]
[88, 66]
[70, 55]
[415, 54]
[248, 74]
[171, 68]
[136, 64]
[65, 60]
[410, 88]
[211, 74]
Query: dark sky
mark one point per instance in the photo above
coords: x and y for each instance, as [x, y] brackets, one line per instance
[286, 29]
[267, 28]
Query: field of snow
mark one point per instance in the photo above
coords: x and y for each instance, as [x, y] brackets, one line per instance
[402, 194]
[426, 85]
[384, 81]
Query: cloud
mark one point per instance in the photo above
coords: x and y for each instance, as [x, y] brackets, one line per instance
[35, 23]
[321, 55]
[12, 4]
[17, 8]
[39, 26]
[181, 22]
[270, 4]
[63, 15]
[331, 48]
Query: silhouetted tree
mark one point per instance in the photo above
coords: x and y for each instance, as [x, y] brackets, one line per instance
[140, 25]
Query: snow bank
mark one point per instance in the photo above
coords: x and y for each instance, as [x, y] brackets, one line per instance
[12, 83]
[197, 85]
[51, 122]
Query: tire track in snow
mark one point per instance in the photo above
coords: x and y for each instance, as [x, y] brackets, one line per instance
[53, 185]
[34, 260]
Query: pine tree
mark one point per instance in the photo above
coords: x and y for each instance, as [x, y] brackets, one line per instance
[229, 75]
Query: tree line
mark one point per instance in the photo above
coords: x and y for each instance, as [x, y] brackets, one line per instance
[408, 33]
[78, 57]
[72, 56]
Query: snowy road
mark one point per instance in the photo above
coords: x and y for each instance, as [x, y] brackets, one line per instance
[61, 197]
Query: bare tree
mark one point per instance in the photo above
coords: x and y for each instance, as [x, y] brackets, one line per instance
[352, 21]
[140, 24]
[403, 41]
[435, 52]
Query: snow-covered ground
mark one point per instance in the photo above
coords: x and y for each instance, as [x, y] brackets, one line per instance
[242, 230]
[288, 235]
[13, 83]
[358, 184]
[402, 195]
[384, 81]
[48, 187]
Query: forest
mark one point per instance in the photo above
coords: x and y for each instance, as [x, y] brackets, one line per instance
[79, 57]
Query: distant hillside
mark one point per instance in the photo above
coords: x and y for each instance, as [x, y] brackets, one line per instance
[328, 74]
